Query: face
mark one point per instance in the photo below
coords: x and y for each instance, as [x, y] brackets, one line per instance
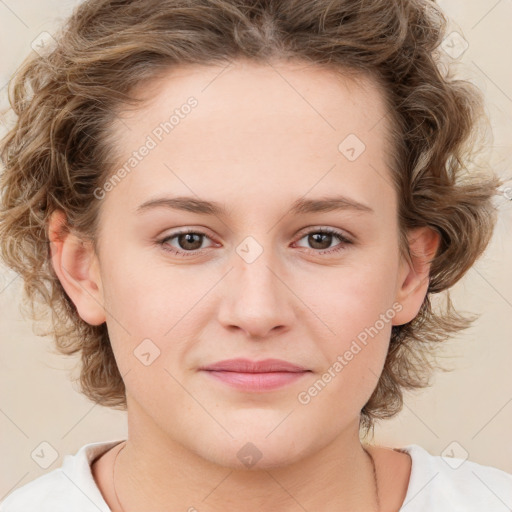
[267, 270]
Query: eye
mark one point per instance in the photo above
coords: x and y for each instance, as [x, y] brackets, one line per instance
[321, 239]
[189, 243]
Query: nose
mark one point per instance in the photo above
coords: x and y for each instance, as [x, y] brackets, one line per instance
[255, 297]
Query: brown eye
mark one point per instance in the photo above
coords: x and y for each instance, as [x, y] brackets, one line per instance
[321, 239]
[190, 241]
[185, 242]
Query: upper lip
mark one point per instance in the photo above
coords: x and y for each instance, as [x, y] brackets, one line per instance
[248, 366]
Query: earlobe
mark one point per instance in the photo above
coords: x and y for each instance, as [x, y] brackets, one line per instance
[414, 272]
[76, 265]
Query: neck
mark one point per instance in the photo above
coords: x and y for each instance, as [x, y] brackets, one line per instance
[154, 471]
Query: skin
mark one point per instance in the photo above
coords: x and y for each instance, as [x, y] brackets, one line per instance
[255, 143]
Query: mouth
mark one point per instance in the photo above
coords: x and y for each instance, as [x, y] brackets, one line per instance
[255, 376]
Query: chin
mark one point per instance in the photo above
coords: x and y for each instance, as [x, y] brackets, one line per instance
[254, 451]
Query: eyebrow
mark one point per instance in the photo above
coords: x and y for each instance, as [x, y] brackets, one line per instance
[299, 207]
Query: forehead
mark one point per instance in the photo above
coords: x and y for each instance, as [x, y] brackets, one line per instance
[289, 124]
[250, 93]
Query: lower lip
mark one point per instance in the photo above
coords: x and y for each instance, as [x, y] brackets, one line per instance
[256, 381]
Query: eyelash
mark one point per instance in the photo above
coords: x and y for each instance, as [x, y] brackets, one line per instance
[324, 231]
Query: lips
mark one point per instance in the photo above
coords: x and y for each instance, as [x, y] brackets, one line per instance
[247, 366]
[249, 376]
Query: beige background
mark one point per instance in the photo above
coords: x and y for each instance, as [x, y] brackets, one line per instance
[467, 412]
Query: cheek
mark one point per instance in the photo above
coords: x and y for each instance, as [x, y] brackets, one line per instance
[355, 310]
[154, 308]
[143, 293]
[354, 348]
[350, 298]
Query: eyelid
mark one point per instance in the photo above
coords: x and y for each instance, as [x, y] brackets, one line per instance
[327, 229]
[185, 231]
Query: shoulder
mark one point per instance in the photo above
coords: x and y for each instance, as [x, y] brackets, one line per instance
[451, 484]
[41, 493]
[71, 486]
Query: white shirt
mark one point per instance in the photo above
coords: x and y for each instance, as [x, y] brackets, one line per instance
[434, 485]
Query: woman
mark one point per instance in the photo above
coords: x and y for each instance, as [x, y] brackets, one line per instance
[238, 212]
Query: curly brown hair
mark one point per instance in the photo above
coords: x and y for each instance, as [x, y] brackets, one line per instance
[59, 152]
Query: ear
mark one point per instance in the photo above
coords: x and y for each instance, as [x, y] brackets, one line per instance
[413, 275]
[77, 268]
